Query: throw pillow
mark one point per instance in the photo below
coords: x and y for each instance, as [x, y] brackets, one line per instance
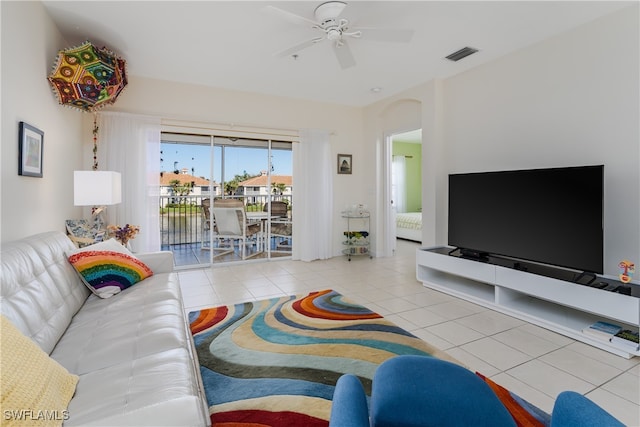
[36, 389]
[108, 268]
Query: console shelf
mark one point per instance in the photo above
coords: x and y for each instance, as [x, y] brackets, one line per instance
[559, 305]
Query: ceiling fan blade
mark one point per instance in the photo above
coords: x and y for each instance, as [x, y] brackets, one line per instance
[297, 48]
[344, 55]
[291, 17]
[384, 34]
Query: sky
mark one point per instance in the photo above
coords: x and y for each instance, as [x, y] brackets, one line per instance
[238, 160]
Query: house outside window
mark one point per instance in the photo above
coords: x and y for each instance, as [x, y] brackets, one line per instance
[184, 184]
[256, 187]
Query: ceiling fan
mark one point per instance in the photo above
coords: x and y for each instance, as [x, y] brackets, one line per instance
[337, 30]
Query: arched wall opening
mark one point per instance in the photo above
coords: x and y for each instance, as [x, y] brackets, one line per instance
[402, 115]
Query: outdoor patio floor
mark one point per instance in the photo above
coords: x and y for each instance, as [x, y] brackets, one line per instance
[192, 255]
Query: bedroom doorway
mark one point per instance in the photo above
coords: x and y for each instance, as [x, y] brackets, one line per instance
[406, 186]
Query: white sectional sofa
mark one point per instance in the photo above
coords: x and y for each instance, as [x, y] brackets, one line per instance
[132, 352]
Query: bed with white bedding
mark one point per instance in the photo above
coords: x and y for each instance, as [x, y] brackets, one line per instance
[409, 226]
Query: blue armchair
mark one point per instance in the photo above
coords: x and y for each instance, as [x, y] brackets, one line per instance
[412, 391]
[574, 410]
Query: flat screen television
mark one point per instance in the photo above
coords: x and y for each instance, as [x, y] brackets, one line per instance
[549, 216]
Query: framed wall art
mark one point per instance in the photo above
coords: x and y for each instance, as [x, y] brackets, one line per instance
[344, 164]
[30, 149]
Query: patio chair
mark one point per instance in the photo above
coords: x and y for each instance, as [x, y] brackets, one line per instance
[279, 209]
[230, 223]
[205, 212]
[281, 226]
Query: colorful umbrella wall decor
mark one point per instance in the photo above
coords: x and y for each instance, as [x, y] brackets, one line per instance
[87, 77]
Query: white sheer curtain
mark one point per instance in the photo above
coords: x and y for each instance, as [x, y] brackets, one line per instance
[130, 144]
[313, 196]
[399, 183]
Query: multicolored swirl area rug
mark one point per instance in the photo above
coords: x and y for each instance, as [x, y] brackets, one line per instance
[276, 362]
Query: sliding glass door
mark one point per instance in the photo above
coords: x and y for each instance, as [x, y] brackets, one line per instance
[198, 171]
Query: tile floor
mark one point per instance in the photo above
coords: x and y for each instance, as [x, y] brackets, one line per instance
[533, 362]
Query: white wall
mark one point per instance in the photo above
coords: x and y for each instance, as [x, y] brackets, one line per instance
[29, 205]
[570, 100]
[30, 43]
[204, 104]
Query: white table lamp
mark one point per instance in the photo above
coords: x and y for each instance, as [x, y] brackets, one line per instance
[98, 189]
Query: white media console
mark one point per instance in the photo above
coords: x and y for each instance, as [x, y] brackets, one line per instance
[559, 305]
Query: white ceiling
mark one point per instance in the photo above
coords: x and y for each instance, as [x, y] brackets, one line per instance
[231, 44]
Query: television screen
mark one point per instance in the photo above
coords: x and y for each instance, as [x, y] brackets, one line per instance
[550, 216]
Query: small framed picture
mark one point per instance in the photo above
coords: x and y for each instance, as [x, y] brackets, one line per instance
[30, 149]
[344, 164]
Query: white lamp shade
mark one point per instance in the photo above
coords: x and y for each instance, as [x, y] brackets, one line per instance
[96, 188]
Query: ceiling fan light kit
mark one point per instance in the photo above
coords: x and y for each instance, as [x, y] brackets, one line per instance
[329, 10]
[336, 30]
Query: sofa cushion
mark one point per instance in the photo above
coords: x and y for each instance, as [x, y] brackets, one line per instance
[156, 390]
[107, 268]
[40, 290]
[31, 381]
[144, 319]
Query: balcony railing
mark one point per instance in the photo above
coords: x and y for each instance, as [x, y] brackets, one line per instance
[182, 218]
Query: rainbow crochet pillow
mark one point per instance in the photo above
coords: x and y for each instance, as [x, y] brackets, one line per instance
[108, 268]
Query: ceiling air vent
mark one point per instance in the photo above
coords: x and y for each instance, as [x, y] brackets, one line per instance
[462, 53]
